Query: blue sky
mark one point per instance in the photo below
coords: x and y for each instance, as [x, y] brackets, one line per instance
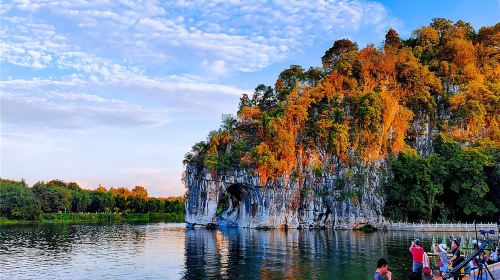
[116, 92]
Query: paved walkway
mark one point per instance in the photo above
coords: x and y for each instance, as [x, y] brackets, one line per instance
[439, 227]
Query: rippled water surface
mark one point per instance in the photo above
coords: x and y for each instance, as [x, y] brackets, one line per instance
[170, 251]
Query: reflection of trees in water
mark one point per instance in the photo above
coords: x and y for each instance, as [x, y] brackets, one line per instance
[303, 254]
[55, 242]
[52, 238]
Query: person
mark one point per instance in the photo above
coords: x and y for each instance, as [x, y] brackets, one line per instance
[426, 271]
[443, 260]
[456, 259]
[436, 274]
[495, 255]
[418, 254]
[475, 245]
[382, 270]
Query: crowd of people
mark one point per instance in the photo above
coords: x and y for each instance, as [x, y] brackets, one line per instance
[421, 265]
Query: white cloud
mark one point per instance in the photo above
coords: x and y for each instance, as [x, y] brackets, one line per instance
[248, 36]
[75, 104]
[28, 43]
[216, 68]
[86, 66]
[71, 111]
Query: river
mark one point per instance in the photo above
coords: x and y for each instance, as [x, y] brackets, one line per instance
[170, 251]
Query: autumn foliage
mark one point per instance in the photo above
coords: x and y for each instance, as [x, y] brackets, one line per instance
[362, 104]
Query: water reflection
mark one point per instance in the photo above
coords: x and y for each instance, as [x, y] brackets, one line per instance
[303, 254]
[296, 254]
[170, 251]
[91, 251]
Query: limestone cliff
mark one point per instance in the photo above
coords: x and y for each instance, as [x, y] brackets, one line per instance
[349, 199]
[322, 137]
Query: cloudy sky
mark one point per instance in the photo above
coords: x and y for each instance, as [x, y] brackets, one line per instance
[116, 92]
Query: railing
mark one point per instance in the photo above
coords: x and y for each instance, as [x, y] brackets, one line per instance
[459, 227]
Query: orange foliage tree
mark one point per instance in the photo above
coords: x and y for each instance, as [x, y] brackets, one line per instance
[361, 103]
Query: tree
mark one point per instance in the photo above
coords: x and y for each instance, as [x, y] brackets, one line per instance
[102, 202]
[337, 52]
[81, 201]
[412, 192]
[392, 39]
[468, 182]
[432, 97]
[121, 202]
[287, 80]
[136, 204]
[17, 201]
[140, 192]
[41, 192]
[264, 98]
[244, 102]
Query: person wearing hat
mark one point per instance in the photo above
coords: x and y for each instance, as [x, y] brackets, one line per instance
[418, 254]
[443, 260]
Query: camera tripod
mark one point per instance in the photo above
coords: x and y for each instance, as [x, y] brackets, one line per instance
[482, 266]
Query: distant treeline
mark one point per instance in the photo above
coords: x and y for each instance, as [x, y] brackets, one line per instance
[19, 201]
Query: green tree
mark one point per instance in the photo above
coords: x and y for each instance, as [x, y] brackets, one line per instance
[136, 204]
[41, 192]
[81, 201]
[102, 201]
[60, 199]
[411, 193]
[468, 182]
[17, 201]
[337, 53]
[120, 202]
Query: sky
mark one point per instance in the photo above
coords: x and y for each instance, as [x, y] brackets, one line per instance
[116, 92]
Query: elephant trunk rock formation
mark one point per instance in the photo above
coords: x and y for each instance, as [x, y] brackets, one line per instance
[347, 200]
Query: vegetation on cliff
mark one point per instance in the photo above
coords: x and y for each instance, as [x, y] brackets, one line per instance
[364, 105]
[60, 201]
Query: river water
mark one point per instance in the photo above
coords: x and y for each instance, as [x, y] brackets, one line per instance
[170, 251]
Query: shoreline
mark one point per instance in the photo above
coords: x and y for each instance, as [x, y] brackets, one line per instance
[60, 218]
[420, 228]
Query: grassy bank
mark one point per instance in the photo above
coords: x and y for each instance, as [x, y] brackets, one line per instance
[101, 217]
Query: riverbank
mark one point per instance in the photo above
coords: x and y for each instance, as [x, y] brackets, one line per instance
[99, 218]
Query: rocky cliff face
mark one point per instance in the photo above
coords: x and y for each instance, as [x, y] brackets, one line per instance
[349, 199]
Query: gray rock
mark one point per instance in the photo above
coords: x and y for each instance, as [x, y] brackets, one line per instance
[348, 199]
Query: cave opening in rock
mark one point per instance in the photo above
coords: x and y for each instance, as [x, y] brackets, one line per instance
[235, 194]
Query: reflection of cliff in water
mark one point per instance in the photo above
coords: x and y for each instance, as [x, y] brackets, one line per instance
[234, 253]
[304, 254]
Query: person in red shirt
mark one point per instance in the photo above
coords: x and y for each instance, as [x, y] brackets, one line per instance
[418, 254]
